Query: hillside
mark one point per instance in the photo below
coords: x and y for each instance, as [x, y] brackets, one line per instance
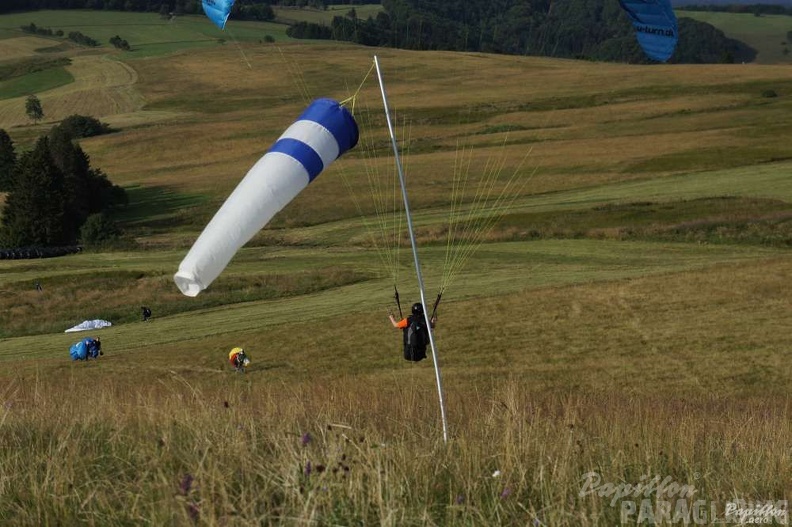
[768, 34]
[598, 30]
[625, 315]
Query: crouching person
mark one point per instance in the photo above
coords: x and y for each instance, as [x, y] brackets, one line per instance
[238, 359]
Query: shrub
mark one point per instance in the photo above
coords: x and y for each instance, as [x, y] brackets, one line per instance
[78, 126]
[99, 229]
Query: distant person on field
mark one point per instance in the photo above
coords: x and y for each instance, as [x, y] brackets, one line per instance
[238, 359]
[146, 313]
[414, 332]
[38, 286]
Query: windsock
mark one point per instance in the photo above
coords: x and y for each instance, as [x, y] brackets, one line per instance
[323, 132]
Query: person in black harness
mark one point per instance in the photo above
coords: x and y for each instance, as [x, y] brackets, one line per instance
[415, 332]
[146, 313]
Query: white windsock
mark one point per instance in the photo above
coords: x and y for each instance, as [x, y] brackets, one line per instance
[323, 132]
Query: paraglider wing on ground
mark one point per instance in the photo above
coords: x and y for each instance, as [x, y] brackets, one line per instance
[87, 325]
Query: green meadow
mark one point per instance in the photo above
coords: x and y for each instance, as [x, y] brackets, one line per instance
[621, 308]
[767, 34]
[148, 33]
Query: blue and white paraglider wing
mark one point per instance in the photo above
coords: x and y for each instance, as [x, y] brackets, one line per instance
[655, 26]
[218, 11]
[322, 133]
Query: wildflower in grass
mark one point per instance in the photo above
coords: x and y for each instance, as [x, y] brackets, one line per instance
[460, 499]
[506, 493]
[308, 468]
[186, 484]
[194, 510]
[305, 439]
[496, 474]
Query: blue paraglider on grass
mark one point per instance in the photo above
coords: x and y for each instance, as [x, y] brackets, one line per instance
[87, 348]
[655, 26]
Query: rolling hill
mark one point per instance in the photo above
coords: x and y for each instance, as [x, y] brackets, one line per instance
[767, 33]
[625, 315]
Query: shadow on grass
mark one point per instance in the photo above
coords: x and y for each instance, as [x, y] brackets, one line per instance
[160, 206]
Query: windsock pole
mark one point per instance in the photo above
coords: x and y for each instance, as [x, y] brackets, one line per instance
[414, 249]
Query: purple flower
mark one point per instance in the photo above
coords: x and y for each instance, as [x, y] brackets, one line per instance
[308, 468]
[194, 510]
[460, 499]
[306, 438]
[186, 484]
[506, 493]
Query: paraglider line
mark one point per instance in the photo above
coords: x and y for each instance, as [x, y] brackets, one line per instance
[241, 51]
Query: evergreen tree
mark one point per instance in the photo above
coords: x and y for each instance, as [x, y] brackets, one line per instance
[75, 167]
[7, 161]
[34, 210]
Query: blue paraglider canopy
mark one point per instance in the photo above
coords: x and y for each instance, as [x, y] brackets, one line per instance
[87, 348]
[655, 26]
[218, 11]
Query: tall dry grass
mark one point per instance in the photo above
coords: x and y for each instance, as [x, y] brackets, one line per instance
[350, 452]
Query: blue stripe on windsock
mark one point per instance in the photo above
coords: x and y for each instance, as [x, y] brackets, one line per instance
[303, 153]
[331, 118]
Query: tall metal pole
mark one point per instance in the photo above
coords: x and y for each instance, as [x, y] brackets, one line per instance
[414, 249]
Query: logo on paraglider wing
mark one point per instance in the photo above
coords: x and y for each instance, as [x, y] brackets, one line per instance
[660, 31]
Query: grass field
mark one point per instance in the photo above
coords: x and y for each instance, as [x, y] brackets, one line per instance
[767, 34]
[627, 314]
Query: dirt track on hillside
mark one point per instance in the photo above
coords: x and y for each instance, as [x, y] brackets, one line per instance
[102, 87]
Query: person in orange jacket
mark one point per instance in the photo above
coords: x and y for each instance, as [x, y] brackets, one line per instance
[414, 332]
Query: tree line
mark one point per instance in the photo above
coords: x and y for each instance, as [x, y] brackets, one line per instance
[583, 29]
[54, 196]
[259, 10]
[241, 9]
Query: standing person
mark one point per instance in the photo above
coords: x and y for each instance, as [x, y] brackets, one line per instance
[38, 286]
[414, 332]
[146, 313]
